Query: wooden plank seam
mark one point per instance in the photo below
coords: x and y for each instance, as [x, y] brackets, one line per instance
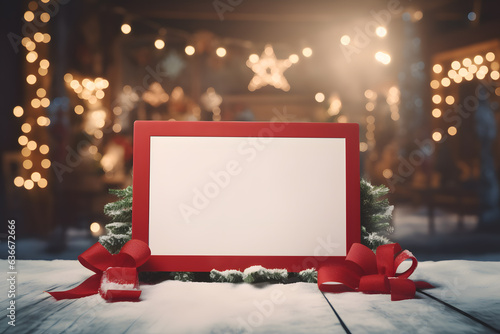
[456, 309]
[342, 323]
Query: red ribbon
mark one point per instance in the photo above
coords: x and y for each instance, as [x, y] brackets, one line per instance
[367, 272]
[97, 258]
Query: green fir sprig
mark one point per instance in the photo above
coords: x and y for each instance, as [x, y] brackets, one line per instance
[119, 230]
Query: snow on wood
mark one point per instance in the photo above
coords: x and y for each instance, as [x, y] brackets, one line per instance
[187, 307]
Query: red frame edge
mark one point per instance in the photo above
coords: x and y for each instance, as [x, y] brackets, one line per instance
[143, 130]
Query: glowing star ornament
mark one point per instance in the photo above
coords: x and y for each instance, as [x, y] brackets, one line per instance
[268, 70]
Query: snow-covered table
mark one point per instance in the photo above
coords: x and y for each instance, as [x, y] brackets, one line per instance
[182, 307]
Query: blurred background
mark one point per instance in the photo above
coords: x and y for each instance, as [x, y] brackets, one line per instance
[420, 77]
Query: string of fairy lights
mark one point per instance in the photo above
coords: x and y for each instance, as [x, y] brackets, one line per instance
[267, 68]
[34, 153]
[450, 73]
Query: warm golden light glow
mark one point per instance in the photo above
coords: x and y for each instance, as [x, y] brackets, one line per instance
[98, 134]
[22, 140]
[40, 92]
[434, 84]
[437, 136]
[445, 82]
[381, 31]
[294, 59]
[42, 183]
[395, 116]
[190, 50]
[30, 46]
[455, 65]
[68, 77]
[29, 184]
[92, 149]
[43, 71]
[418, 15]
[18, 181]
[38, 37]
[26, 152]
[25, 128]
[342, 119]
[159, 44]
[36, 103]
[45, 163]
[383, 57]
[253, 58]
[46, 38]
[370, 94]
[436, 99]
[117, 128]
[437, 68]
[31, 56]
[319, 97]
[495, 75]
[450, 100]
[43, 121]
[436, 112]
[95, 227]
[27, 164]
[18, 111]
[478, 60]
[44, 149]
[370, 106]
[345, 40]
[452, 130]
[45, 17]
[44, 63]
[78, 109]
[458, 79]
[490, 56]
[45, 102]
[307, 52]
[29, 16]
[363, 147]
[31, 145]
[463, 72]
[387, 173]
[126, 28]
[467, 62]
[35, 176]
[221, 52]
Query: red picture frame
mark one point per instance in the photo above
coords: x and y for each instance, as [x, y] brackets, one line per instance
[145, 130]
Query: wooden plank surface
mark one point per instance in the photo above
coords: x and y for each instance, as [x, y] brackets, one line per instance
[466, 285]
[181, 307]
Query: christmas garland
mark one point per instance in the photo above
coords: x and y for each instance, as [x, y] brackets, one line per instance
[375, 213]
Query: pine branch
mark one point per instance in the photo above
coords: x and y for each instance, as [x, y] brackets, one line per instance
[119, 230]
[376, 214]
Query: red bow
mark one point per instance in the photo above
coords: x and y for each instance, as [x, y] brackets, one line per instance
[120, 268]
[369, 273]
